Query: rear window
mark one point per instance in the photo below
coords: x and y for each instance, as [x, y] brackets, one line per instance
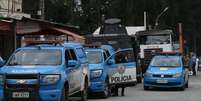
[166, 61]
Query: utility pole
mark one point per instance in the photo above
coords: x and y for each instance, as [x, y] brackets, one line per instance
[42, 9]
[145, 20]
[13, 27]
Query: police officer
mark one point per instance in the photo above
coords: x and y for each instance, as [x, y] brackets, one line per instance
[116, 90]
[121, 58]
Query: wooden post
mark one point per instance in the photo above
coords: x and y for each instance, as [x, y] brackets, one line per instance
[181, 39]
[14, 32]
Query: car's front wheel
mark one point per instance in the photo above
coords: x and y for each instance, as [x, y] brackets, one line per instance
[182, 88]
[84, 93]
[65, 94]
[106, 91]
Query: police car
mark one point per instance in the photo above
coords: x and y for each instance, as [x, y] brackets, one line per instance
[45, 73]
[166, 70]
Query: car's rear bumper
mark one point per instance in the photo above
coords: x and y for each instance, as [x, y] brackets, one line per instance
[171, 82]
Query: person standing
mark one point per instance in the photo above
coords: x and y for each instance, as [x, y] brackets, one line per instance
[116, 90]
[193, 63]
[120, 58]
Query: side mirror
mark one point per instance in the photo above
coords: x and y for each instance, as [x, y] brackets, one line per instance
[110, 62]
[72, 63]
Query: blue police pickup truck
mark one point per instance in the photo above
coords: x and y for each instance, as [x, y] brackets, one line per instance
[167, 70]
[45, 73]
[99, 75]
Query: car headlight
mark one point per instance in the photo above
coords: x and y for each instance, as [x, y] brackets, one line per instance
[177, 75]
[96, 73]
[148, 74]
[49, 79]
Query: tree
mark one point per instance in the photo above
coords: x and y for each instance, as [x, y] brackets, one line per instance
[131, 13]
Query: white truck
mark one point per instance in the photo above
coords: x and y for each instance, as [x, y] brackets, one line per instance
[152, 42]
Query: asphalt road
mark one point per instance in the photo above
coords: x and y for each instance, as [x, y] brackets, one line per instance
[193, 93]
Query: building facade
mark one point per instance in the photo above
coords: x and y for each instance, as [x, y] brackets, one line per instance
[12, 9]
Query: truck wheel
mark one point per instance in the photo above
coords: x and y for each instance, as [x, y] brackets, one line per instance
[64, 96]
[106, 91]
[84, 93]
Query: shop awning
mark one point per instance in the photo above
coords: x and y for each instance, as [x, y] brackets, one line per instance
[5, 25]
[67, 32]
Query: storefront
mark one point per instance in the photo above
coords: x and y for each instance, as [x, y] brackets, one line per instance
[6, 38]
[18, 33]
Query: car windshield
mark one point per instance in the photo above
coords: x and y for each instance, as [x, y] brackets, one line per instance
[155, 39]
[94, 57]
[36, 57]
[166, 61]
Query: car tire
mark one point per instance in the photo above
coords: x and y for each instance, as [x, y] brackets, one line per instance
[182, 88]
[106, 91]
[84, 93]
[146, 87]
[64, 96]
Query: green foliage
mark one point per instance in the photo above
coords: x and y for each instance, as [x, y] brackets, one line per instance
[187, 12]
[58, 10]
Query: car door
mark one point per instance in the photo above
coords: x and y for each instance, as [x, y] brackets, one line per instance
[122, 69]
[74, 75]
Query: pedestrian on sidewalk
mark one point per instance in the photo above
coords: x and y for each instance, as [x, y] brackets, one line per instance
[193, 63]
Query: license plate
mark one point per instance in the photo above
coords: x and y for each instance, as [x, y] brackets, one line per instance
[162, 81]
[20, 95]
